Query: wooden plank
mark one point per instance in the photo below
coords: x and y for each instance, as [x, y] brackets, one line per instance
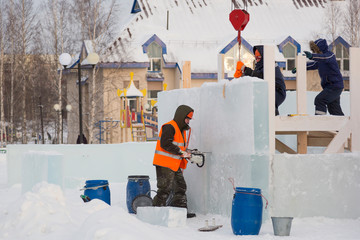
[319, 142]
[310, 123]
[269, 76]
[338, 143]
[221, 74]
[302, 142]
[283, 148]
[186, 74]
[355, 97]
[328, 134]
[301, 98]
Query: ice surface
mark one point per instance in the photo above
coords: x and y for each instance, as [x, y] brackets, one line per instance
[50, 212]
[163, 216]
[316, 185]
[230, 124]
[39, 166]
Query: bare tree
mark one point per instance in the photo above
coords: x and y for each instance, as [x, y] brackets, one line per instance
[97, 22]
[12, 36]
[2, 59]
[27, 16]
[334, 16]
[352, 22]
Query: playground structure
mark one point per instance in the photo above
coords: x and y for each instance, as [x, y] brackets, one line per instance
[133, 121]
[106, 128]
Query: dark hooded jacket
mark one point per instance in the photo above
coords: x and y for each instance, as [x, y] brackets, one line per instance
[259, 71]
[328, 68]
[168, 131]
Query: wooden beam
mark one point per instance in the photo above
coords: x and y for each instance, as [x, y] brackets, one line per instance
[282, 147]
[269, 76]
[309, 123]
[355, 98]
[186, 74]
[302, 142]
[316, 134]
[221, 74]
[338, 143]
[319, 142]
[301, 98]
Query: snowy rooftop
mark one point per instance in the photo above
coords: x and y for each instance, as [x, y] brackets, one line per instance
[198, 30]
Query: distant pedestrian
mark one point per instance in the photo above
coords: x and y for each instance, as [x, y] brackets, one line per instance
[84, 140]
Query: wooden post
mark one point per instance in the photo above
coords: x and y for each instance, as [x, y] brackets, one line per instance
[301, 100]
[187, 74]
[269, 76]
[221, 74]
[355, 98]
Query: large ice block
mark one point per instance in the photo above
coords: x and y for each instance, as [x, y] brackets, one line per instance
[39, 166]
[163, 216]
[307, 185]
[230, 124]
[81, 162]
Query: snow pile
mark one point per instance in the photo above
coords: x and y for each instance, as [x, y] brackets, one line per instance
[48, 213]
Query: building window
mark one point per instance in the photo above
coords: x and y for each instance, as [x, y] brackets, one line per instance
[154, 54]
[342, 57]
[152, 97]
[289, 52]
[232, 57]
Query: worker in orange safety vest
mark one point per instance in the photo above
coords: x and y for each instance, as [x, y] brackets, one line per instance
[170, 159]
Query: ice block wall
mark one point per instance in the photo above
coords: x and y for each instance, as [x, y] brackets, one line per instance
[307, 185]
[31, 163]
[230, 125]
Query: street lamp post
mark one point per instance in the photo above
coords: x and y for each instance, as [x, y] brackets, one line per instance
[42, 122]
[91, 59]
[58, 109]
[64, 59]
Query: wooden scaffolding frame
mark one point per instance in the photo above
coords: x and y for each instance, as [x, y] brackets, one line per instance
[334, 132]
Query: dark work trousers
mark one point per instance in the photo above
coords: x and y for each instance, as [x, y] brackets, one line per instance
[170, 183]
[328, 99]
[280, 96]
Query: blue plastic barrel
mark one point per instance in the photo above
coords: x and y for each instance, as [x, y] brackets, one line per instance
[246, 213]
[137, 185]
[98, 189]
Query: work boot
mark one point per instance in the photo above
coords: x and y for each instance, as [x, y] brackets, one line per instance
[190, 215]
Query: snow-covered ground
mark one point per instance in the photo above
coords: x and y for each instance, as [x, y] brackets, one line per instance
[50, 213]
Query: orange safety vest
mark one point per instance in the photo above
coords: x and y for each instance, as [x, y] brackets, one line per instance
[166, 159]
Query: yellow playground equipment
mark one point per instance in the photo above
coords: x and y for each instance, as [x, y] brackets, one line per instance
[132, 116]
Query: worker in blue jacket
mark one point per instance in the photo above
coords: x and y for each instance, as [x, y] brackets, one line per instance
[331, 78]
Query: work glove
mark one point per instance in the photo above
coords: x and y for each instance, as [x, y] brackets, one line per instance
[240, 67]
[293, 70]
[185, 154]
[197, 159]
[308, 54]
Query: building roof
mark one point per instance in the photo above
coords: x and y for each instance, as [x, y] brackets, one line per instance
[197, 30]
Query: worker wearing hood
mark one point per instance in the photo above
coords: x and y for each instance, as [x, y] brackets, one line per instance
[331, 79]
[170, 159]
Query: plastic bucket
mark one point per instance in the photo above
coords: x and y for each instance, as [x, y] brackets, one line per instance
[137, 185]
[281, 225]
[246, 213]
[97, 189]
